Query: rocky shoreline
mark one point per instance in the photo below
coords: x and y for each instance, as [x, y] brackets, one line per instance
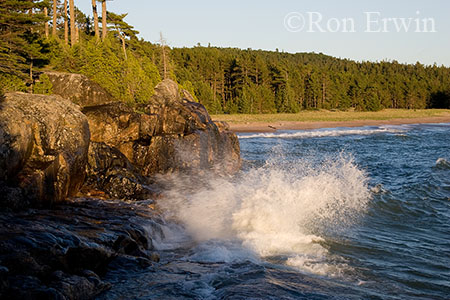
[71, 165]
[63, 252]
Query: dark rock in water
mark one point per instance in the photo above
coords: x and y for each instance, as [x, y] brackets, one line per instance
[110, 171]
[171, 134]
[44, 143]
[63, 253]
[79, 89]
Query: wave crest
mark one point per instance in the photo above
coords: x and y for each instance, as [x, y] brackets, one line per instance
[283, 208]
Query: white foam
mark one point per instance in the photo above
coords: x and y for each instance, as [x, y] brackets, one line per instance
[281, 209]
[219, 251]
[315, 264]
[324, 133]
[168, 236]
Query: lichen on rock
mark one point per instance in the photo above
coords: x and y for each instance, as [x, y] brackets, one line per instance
[44, 143]
[78, 89]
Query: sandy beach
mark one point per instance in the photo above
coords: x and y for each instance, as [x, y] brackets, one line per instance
[290, 125]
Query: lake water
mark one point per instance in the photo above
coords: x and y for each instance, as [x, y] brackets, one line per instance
[346, 213]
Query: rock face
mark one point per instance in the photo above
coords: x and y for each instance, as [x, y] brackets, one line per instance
[79, 89]
[169, 134]
[44, 143]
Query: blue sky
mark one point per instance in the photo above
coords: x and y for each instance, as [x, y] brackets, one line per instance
[261, 25]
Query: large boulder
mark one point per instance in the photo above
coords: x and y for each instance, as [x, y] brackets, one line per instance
[169, 134]
[44, 143]
[79, 89]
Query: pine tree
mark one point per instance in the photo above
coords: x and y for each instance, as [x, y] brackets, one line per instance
[21, 46]
[122, 29]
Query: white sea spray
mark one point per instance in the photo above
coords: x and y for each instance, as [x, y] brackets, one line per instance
[284, 208]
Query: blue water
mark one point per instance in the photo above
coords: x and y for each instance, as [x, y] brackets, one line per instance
[346, 213]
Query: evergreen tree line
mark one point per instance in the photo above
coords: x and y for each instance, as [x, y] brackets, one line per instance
[36, 36]
[248, 81]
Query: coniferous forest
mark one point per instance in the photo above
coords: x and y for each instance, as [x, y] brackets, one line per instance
[38, 36]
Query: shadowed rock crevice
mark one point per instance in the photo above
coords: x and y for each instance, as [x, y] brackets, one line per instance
[110, 171]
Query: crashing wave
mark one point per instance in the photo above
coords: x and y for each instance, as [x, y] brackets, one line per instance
[280, 209]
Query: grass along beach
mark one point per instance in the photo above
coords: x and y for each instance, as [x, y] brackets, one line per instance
[328, 119]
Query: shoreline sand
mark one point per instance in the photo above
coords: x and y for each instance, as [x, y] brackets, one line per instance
[292, 125]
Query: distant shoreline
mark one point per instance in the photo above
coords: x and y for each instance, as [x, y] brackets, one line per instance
[308, 119]
[293, 125]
